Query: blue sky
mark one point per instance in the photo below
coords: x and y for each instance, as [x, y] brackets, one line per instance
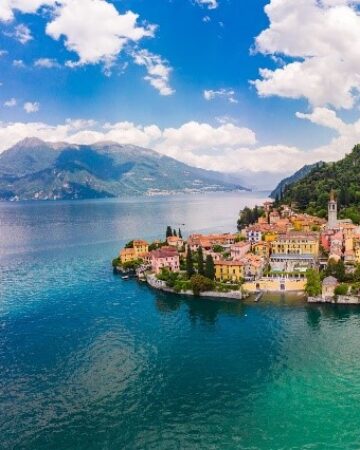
[221, 84]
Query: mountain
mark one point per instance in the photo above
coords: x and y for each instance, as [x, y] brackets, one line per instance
[297, 176]
[38, 170]
[311, 193]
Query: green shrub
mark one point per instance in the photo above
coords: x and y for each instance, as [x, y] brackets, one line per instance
[116, 262]
[342, 289]
[199, 284]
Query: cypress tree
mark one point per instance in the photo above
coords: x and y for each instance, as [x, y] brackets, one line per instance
[200, 261]
[210, 267]
[168, 231]
[174, 232]
[179, 234]
[189, 264]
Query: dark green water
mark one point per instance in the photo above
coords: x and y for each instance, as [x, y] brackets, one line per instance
[89, 361]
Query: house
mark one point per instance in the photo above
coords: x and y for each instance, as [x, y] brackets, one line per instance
[208, 241]
[300, 243]
[175, 241]
[261, 249]
[328, 287]
[253, 266]
[137, 251]
[239, 250]
[165, 257]
[233, 271]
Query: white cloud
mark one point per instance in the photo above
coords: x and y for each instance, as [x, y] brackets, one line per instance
[228, 147]
[19, 63]
[322, 41]
[22, 34]
[101, 36]
[10, 103]
[158, 71]
[8, 7]
[46, 63]
[3, 53]
[210, 4]
[31, 107]
[228, 94]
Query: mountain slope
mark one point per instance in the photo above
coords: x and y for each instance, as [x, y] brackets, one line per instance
[34, 169]
[311, 193]
[297, 176]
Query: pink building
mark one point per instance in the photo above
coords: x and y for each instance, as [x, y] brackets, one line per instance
[239, 250]
[165, 257]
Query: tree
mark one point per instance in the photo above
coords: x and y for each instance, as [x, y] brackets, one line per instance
[342, 289]
[336, 269]
[200, 258]
[199, 284]
[180, 234]
[130, 244]
[313, 283]
[189, 263]
[209, 267]
[168, 231]
[174, 233]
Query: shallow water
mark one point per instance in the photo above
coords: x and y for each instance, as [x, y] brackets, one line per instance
[89, 361]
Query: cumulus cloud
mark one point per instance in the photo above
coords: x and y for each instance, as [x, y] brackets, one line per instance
[210, 4]
[46, 63]
[8, 7]
[102, 36]
[158, 71]
[22, 34]
[10, 103]
[228, 94]
[31, 107]
[320, 41]
[227, 147]
[19, 63]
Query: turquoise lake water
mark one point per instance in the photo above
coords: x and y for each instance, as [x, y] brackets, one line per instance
[89, 361]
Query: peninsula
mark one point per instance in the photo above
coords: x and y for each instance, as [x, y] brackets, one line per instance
[276, 249]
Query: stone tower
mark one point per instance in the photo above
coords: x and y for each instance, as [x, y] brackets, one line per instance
[332, 211]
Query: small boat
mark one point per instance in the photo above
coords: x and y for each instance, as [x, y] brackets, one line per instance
[125, 277]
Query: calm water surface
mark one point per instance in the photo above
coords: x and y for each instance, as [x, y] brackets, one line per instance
[89, 361]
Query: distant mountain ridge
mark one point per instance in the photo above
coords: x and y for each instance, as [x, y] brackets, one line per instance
[297, 176]
[37, 170]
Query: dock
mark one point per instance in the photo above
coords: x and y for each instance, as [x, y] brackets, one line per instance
[258, 297]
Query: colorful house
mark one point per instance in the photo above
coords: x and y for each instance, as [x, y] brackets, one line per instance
[165, 257]
[239, 250]
[233, 271]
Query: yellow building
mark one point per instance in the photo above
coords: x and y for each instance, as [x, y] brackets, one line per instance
[229, 271]
[296, 243]
[136, 252]
[261, 249]
[140, 247]
[275, 285]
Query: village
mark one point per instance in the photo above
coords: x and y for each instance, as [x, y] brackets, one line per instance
[282, 251]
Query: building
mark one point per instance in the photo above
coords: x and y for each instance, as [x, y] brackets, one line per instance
[261, 249]
[175, 241]
[233, 271]
[328, 287]
[291, 262]
[296, 243]
[253, 266]
[332, 212]
[137, 251]
[239, 250]
[164, 258]
[276, 284]
[208, 241]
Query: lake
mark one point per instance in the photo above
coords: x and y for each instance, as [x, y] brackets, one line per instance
[90, 361]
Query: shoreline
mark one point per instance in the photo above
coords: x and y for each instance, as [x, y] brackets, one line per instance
[158, 285]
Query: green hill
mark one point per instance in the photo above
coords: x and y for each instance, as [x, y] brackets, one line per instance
[311, 193]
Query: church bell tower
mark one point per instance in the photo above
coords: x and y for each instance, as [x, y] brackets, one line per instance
[332, 211]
